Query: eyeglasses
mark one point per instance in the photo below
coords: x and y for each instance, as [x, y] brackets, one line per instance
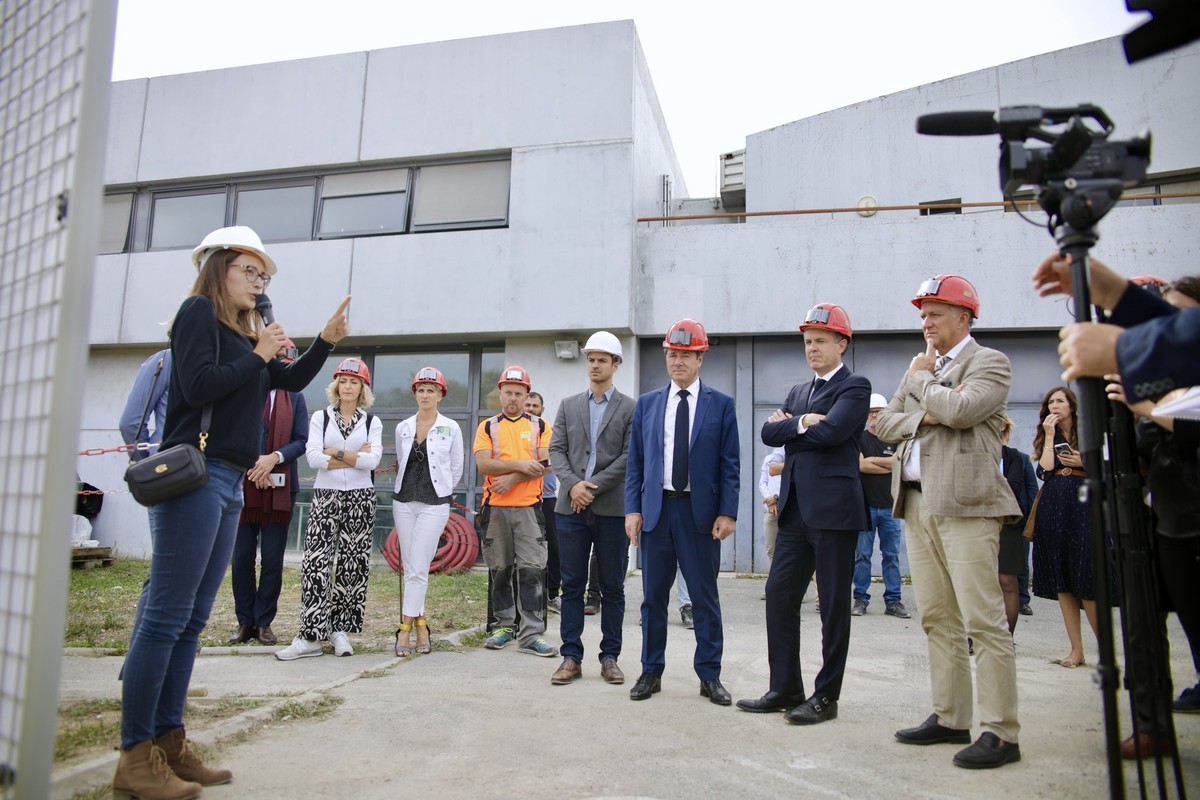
[252, 274]
[816, 316]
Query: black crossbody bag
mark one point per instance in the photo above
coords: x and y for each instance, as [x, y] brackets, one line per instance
[172, 472]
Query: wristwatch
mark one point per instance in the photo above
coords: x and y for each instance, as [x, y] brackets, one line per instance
[341, 455]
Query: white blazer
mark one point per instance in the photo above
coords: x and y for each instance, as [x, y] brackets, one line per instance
[360, 476]
[444, 445]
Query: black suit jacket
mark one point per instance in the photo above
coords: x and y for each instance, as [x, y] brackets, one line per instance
[820, 486]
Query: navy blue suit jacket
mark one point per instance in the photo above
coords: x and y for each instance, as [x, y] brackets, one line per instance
[820, 471]
[714, 458]
[1159, 350]
[292, 451]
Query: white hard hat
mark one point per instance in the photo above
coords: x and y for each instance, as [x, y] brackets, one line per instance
[237, 237]
[878, 400]
[603, 342]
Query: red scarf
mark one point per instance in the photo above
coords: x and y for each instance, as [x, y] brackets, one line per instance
[272, 506]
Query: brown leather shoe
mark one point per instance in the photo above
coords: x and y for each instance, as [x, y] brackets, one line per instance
[184, 762]
[245, 633]
[610, 671]
[267, 636]
[1147, 746]
[569, 670]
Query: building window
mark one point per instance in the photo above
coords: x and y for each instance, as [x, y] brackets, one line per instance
[471, 195]
[114, 223]
[929, 212]
[363, 203]
[277, 214]
[183, 220]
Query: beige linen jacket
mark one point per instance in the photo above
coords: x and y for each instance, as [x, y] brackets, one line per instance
[960, 458]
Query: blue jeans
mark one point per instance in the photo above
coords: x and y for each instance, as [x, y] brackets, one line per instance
[576, 535]
[890, 530]
[193, 540]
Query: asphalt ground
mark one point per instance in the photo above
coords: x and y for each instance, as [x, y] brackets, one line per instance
[483, 724]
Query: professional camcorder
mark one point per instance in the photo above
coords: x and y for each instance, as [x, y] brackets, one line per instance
[1079, 176]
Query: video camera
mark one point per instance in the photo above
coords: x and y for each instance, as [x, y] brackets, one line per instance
[1079, 177]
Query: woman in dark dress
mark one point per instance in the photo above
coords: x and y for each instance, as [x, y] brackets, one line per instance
[1062, 541]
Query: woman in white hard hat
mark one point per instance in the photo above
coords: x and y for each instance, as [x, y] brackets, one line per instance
[223, 366]
[345, 445]
[429, 453]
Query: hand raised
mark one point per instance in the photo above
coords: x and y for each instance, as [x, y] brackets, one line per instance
[338, 325]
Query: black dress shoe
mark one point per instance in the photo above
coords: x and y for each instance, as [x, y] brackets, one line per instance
[715, 692]
[771, 701]
[267, 636]
[646, 685]
[813, 710]
[989, 752]
[245, 633]
[932, 732]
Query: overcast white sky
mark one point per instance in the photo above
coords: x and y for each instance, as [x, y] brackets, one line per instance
[721, 70]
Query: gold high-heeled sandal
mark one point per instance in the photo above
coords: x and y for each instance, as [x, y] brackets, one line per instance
[423, 649]
[405, 649]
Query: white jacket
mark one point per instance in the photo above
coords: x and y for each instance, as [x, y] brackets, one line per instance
[445, 449]
[360, 476]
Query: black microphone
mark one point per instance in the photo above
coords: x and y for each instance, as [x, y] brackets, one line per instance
[263, 306]
[958, 123]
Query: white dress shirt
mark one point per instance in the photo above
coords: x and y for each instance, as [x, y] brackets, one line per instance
[669, 428]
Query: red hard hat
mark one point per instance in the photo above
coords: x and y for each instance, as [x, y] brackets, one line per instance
[355, 368]
[515, 374]
[952, 289]
[289, 352]
[829, 316]
[686, 334]
[429, 375]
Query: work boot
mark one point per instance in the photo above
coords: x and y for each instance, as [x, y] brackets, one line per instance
[186, 764]
[142, 772]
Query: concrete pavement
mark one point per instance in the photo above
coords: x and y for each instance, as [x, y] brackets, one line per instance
[489, 724]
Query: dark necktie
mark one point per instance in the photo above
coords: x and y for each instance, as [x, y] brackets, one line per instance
[817, 384]
[267, 414]
[679, 461]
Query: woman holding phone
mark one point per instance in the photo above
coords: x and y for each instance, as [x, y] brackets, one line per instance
[1062, 540]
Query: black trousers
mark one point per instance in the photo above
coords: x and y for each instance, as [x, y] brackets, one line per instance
[799, 552]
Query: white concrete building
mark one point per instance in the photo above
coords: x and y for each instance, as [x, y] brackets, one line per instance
[480, 200]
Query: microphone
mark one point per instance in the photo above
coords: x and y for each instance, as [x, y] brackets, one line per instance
[958, 123]
[263, 306]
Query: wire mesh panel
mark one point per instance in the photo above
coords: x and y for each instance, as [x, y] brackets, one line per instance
[55, 60]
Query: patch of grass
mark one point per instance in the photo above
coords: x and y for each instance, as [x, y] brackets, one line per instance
[200, 710]
[102, 604]
[95, 793]
[373, 673]
[85, 726]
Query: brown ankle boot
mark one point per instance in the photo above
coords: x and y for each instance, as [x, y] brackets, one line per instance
[186, 764]
[143, 773]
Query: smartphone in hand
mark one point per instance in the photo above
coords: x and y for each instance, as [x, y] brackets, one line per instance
[1062, 448]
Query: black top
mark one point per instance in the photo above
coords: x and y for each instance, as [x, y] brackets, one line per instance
[417, 486]
[236, 385]
[877, 488]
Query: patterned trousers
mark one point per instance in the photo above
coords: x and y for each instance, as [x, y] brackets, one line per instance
[337, 561]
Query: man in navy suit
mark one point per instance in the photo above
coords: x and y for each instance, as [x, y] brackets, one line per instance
[821, 510]
[681, 498]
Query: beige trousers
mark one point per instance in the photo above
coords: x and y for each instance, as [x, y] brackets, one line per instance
[953, 561]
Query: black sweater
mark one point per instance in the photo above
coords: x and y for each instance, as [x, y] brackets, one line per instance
[236, 385]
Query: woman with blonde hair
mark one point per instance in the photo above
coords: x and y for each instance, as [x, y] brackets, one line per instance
[223, 366]
[345, 445]
[429, 453]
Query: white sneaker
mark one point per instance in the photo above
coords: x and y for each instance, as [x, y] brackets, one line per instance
[341, 644]
[299, 648]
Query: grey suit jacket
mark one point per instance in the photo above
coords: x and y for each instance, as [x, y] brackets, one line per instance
[960, 458]
[571, 444]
